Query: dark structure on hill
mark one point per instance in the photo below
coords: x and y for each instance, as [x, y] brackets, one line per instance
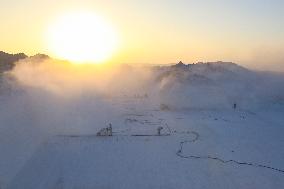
[181, 65]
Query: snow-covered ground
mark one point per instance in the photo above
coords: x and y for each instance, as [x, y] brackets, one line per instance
[50, 143]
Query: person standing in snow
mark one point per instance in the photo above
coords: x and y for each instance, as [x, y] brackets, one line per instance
[159, 130]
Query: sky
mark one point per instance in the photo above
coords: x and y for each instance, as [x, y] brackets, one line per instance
[248, 32]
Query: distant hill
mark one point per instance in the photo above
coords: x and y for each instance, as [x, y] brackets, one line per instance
[7, 61]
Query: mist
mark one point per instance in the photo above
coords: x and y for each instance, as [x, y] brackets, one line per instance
[266, 58]
[41, 98]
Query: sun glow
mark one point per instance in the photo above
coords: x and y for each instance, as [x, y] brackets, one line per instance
[82, 37]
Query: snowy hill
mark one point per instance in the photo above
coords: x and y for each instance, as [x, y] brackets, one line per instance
[218, 86]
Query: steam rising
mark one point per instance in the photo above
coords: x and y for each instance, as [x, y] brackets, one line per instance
[65, 79]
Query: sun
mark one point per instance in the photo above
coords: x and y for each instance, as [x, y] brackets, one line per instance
[82, 37]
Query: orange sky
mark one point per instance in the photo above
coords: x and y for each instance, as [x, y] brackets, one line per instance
[163, 31]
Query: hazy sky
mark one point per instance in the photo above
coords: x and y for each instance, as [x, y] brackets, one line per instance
[162, 31]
